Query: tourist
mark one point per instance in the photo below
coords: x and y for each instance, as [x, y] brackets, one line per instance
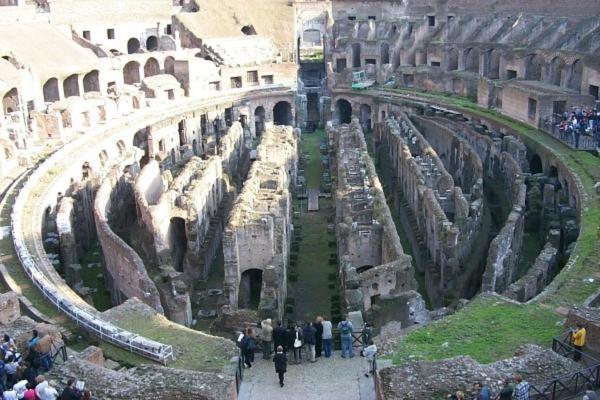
[521, 391]
[10, 369]
[44, 391]
[459, 395]
[296, 344]
[34, 339]
[506, 392]
[29, 374]
[279, 336]
[578, 340]
[327, 337]
[2, 373]
[29, 392]
[370, 353]
[20, 387]
[319, 336]
[266, 335]
[70, 392]
[589, 392]
[345, 327]
[482, 391]
[10, 394]
[310, 338]
[87, 395]
[280, 360]
[249, 347]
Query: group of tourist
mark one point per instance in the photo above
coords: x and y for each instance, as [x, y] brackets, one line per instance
[314, 339]
[21, 376]
[520, 391]
[577, 122]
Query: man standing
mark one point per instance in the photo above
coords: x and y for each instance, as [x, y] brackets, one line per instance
[345, 327]
[279, 336]
[310, 338]
[506, 392]
[370, 352]
[521, 391]
[266, 335]
[327, 337]
[280, 360]
[482, 391]
[578, 341]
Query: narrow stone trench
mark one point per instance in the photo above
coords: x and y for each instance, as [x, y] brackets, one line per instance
[313, 287]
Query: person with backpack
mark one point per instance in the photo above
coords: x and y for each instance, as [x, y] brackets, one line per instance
[280, 360]
[248, 347]
[345, 327]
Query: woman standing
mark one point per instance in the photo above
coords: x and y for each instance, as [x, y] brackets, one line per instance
[297, 344]
[319, 336]
[280, 360]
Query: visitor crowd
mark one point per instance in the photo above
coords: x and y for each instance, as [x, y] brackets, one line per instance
[578, 122]
[21, 372]
[311, 341]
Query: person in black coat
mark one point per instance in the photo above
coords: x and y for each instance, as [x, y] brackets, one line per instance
[280, 360]
[319, 335]
[280, 337]
[69, 392]
[249, 347]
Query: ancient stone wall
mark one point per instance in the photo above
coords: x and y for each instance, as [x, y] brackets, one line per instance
[374, 267]
[538, 276]
[257, 237]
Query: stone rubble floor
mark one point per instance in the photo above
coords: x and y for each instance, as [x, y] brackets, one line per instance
[332, 378]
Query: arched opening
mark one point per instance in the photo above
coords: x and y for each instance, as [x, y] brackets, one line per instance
[396, 62]
[250, 288]
[133, 46]
[195, 147]
[343, 110]
[170, 65]
[152, 43]
[151, 67]
[365, 117]
[282, 113]
[259, 120]
[554, 71]
[535, 165]
[356, 55]
[248, 30]
[575, 75]
[10, 101]
[493, 67]
[121, 148]
[51, 90]
[364, 268]
[452, 60]
[131, 73]
[472, 60]
[91, 82]
[533, 67]
[385, 53]
[71, 86]
[140, 140]
[178, 242]
[103, 156]
[182, 133]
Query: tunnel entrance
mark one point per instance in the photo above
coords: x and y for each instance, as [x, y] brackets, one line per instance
[178, 239]
[250, 288]
[344, 111]
[282, 113]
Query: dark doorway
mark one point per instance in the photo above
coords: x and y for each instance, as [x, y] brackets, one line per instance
[178, 239]
[282, 113]
[535, 165]
[344, 111]
[312, 108]
[250, 288]
[152, 43]
[133, 46]
[259, 120]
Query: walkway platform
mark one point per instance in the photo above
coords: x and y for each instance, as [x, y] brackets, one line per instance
[313, 199]
[332, 378]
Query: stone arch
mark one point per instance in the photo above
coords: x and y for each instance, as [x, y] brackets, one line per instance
[131, 73]
[282, 113]
[152, 43]
[50, 90]
[121, 148]
[259, 120]
[250, 288]
[343, 110]
[575, 74]
[133, 46]
[91, 81]
[472, 60]
[554, 71]
[10, 101]
[493, 64]
[170, 65]
[103, 157]
[151, 67]
[356, 62]
[533, 67]
[385, 53]
[71, 86]
[535, 165]
[452, 59]
[365, 117]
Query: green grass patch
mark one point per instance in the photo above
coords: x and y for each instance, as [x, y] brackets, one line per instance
[487, 329]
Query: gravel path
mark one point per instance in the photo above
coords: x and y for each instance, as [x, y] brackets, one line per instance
[332, 378]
